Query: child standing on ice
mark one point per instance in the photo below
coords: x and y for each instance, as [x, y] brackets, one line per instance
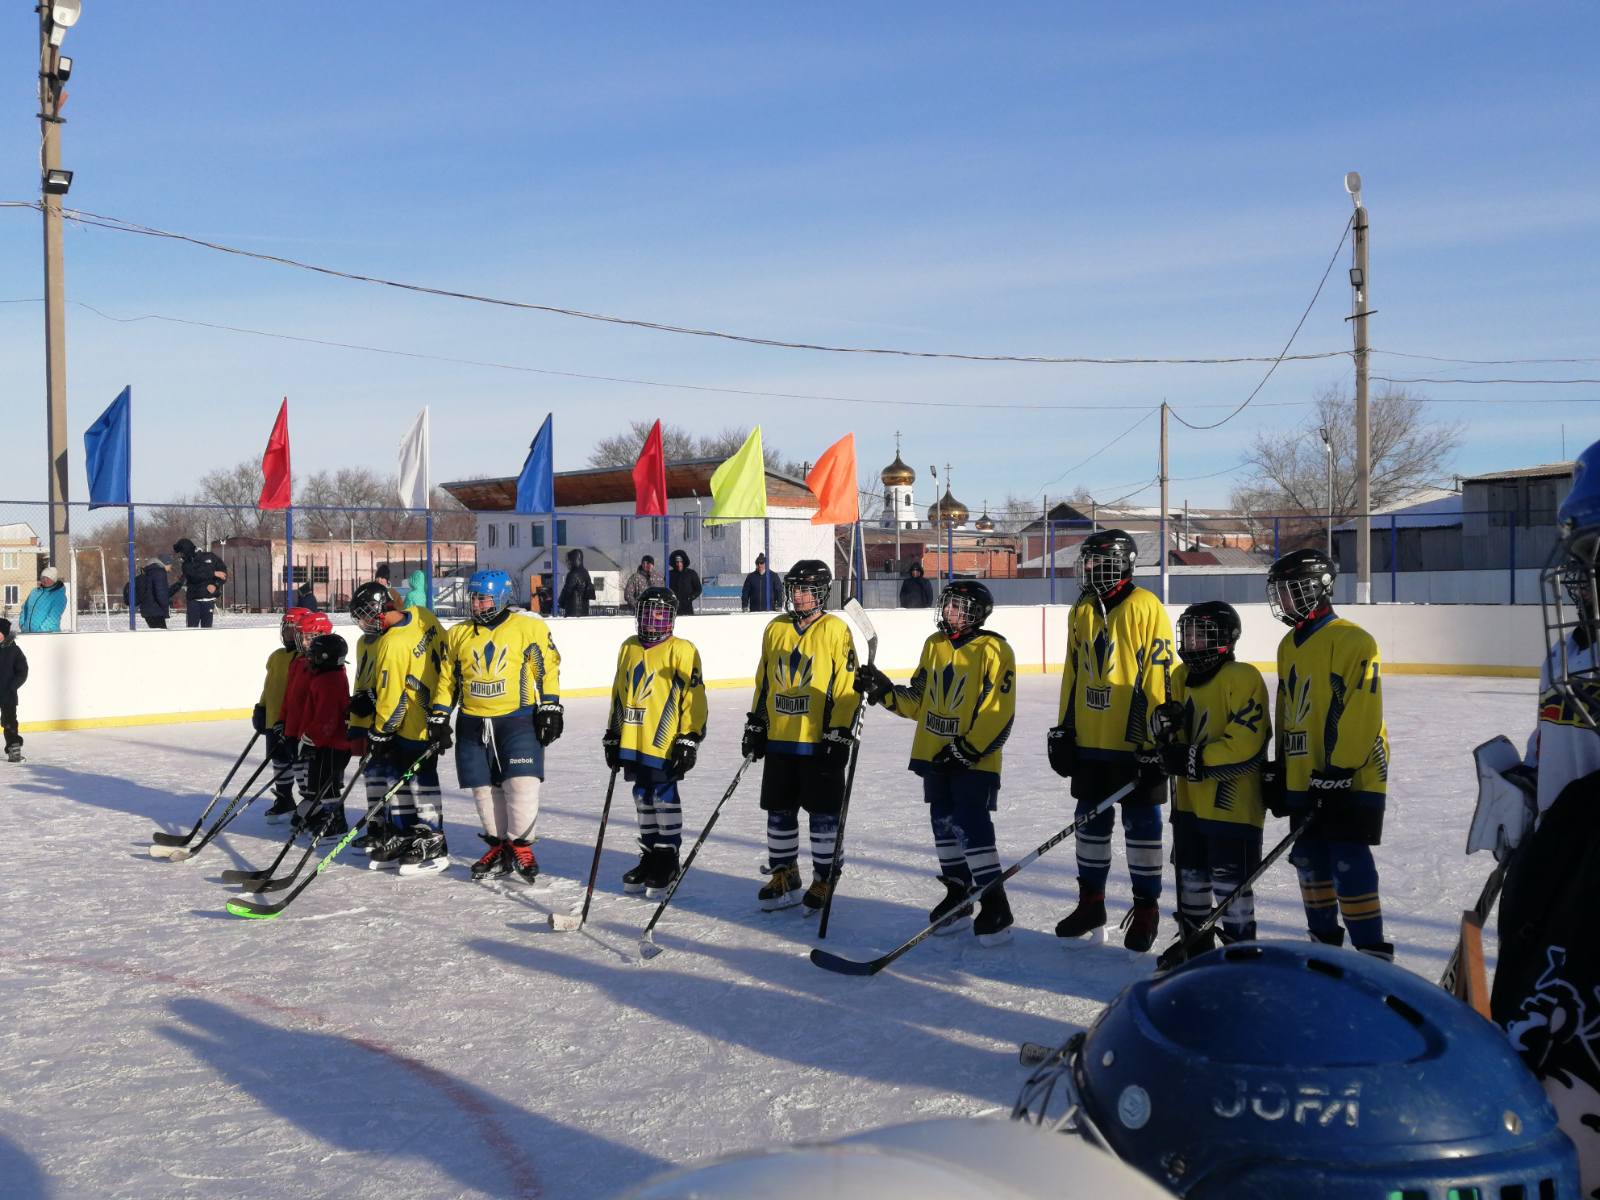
[657, 721]
[268, 715]
[327, 715]
[13, 674]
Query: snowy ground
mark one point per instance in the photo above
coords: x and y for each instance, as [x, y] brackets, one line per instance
[429, 1038]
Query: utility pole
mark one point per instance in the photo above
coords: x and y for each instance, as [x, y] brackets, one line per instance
[1327, 446]
[1161, 471]
[1361, 299]
[54, 19]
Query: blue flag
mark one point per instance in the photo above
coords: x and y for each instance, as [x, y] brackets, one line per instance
[107, 451]
[536, 486]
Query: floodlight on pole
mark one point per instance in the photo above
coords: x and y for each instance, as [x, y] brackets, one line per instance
[63, 15]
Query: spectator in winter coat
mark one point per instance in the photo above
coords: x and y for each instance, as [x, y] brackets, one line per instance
[916, 591]
[762, 593]
[577, 590]
[151, 595]
[202, 577]
[41, 611]
[305, 597]
[684, 581]
[639, 582]
[414, 591]
[13, 674]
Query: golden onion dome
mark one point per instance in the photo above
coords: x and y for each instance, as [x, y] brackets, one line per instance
[985, 525]
[948, 510]
[898, 474]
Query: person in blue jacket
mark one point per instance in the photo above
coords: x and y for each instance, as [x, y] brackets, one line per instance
[41, 611]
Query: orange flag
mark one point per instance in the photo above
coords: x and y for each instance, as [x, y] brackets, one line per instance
[833, 482]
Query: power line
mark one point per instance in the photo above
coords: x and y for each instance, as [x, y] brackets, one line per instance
[1485, 362]
[118, 225]
[1085, 462]
[1297, 326]
[1388, 379]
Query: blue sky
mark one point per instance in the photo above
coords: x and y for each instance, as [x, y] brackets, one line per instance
[1022, 179]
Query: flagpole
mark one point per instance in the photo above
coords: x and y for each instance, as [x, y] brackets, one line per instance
[132, 589]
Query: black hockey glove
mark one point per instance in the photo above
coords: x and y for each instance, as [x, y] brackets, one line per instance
[1062, 748]
[1152, 771]
[754, 742]
[380, 744]
[362, 704]
[611, 747]
[873, 684]
[681, 758]
[1331, 785]
[1182, 760]
[835, 747]
[258, 718]
[1272, 790]
[1166, 723]
[955, 756]
[548, 721]
[439, 729]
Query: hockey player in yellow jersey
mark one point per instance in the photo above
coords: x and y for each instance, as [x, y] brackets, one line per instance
[800, 720]
[1333, 752]
[1214, 733]
[653, 734]
[963, 698]
[1119, 659]
[502, 669]
[402, 665]
[267, 717]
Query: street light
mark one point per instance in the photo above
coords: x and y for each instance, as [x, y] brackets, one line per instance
[1327, 444]
[57, 182]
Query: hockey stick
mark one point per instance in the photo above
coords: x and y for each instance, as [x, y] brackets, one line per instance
[270, 883]
[566, 922]
[1186, 947]
[850, 966]
[229, 813]
[1479, 913]
[647, 946]
[264, 911]
[858, 614]
[162, 838]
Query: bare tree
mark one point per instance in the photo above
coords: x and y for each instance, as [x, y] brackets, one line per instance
[678, 443]
[1409, 451]
[237, 488]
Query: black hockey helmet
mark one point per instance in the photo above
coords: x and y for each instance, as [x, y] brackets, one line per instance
[1105, 559]
[1207, 635]
[369, 603]
[808, 577]
[970, 599]
[327, 652]
[653, 616]
[1299, 583]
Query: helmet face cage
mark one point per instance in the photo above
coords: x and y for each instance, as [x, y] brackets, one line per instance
[654, 619]
[495, 590]
[796, 590]
[1293, 600]
[367, 611]
[1203, 644]
[1568, 594]
[311, 626]
[289, 627]
[1102, 568]
[965, 605]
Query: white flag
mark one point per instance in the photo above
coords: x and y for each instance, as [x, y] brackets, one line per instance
[414, 489]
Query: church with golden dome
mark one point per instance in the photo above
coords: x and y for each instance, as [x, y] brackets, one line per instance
[899, 505]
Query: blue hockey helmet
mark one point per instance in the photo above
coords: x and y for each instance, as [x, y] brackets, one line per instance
[493, 589]
[1568, 593]
[1261, 1071]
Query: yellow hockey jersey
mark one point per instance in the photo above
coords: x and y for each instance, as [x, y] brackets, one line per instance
[366, 680]
[405, 673]
[659, 693]
[967, 691]
[1330, 708]
[272, 687]
[496, 670]
[805, 682]
[1116, 672]
[1227, 717]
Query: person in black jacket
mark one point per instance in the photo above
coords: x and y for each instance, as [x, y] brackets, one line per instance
[762, 592]
[13, 674]
[684, 581]
[916, 592]
[203, 575]
[305, 597]
[577, 589]
[151, 594]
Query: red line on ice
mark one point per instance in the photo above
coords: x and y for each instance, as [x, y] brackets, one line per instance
[517, 1166]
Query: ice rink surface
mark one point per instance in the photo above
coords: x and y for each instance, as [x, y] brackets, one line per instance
[406, 1038]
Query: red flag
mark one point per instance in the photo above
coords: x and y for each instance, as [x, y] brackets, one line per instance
[650, 477]
[833, 482]
[275, 464]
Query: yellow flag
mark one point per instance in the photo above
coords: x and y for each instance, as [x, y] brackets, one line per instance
[739, 486]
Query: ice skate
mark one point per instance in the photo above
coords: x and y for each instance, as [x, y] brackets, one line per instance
[1174, 956]
[817, 894]
[425, 852]
[283, 808]
[661, 870]
[493, 862]
[523, 862]
[1085, 924]
[956, 891]
[633, 880]
[13, 753]
[385, 852]
[782, 889]
[1140, 925]
[992, 925]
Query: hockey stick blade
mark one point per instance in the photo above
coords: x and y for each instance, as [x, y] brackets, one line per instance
[648, 948]
[565, 922]
[162, 838]
[235, 876]
[839, 965]
[254, 909]
[158, 850]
